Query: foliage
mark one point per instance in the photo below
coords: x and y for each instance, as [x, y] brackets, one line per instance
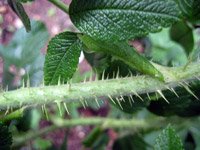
[163, 78]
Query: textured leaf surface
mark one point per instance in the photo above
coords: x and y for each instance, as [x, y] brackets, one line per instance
[123, 52]
[121, 20]
[183, 34]
[190, 8]
[168, 140]
[20, 12]
[62, 58]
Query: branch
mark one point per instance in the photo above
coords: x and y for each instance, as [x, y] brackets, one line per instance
[81, 92]
[62, 6]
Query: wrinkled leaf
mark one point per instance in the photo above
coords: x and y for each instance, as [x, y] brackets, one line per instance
[168, 140]
[122, 20]
[62, 58]
[183, 34]
[190, 9]
[18, 8]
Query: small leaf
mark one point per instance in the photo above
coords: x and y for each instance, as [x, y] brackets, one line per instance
[123, 52]
[62, 58]
[183, 34]
[18, 8]
[5, 138]
[116, 20]
[168, 140]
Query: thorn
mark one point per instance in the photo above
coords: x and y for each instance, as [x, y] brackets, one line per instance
[59, 83]
[96, 99]
[118, 101]
[65, 106]
[23, 83]
[7, 111]
[174, 92]
[148, 96]
[91, 76]
[197, 78]
[59, 108]
[28, 80]
[86, 103]
[117, 75]
[44, 110]
[103, 75]
[161, 94]
[122, 98]
[189, 91]
[109, 96]
[132, 98]
[82, 102]
[130, 101]
[135, 93]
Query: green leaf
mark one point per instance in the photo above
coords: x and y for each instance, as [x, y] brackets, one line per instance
[190, 9]
[168, 140]
[18, 8]
[92, 136]
[25, 52]
[122, 20]
[130, 142]
[183, 34]
[123, 52]
[5, 138]
[62, 58]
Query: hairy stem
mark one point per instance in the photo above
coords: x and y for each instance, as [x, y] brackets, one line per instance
[80, 92]
[62, 6]
[104, 122]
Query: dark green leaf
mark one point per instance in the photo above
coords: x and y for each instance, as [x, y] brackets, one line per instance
[62, 58]
[123, 52]
[130, 142]
[18, 8]
[5, 138]
[122, 20]
[190, 9]
[183, 34]
[92, 137]
[168, 140]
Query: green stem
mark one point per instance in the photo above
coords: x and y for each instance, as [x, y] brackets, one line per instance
[104, 122]
[60, 5]
[14, 115]
[80, 92]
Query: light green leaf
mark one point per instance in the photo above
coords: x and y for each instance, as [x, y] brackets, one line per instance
[122, 20]
[168, 140]
[18, 8]
[123, 52]
[25, 52]
[62, 58]
[183, 34]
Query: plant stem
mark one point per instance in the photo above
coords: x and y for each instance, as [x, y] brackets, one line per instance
[80, 92]
[60, 5]
[104, 122]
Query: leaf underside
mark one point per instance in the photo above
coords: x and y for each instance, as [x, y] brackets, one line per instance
[168, 140]
[122, 20]
[62, 58]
